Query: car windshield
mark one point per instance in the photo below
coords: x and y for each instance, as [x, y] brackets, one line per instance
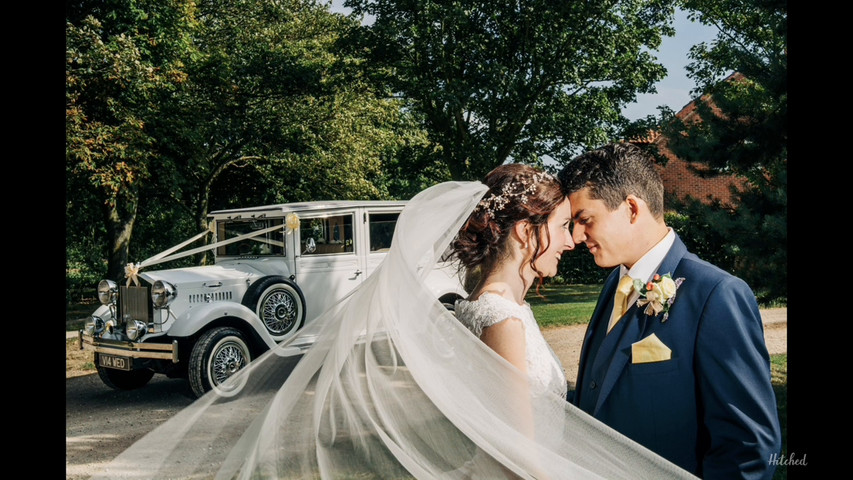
[269, 243]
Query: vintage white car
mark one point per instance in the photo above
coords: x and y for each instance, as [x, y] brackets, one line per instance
[276, 268]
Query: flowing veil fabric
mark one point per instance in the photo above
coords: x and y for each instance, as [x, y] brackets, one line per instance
[393, 387]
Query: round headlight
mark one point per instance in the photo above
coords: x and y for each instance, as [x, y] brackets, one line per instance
[135, 329]
[107, 291]
[162, 293]
[94, 326]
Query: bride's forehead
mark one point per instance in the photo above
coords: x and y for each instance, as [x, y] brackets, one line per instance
[563, 209]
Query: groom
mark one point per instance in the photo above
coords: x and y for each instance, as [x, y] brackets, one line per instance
[689, 380]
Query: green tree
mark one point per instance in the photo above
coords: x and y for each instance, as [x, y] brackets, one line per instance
[524, 80]
[120, 63]
[273, 112]
[743, 131]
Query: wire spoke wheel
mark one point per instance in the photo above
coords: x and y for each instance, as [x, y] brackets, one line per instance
[217, 356]
[279, 311]
[226, 361]
[279, 305]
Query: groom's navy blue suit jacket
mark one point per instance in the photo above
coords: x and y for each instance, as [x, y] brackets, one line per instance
[709, 409]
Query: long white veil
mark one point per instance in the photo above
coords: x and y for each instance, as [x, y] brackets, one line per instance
[394, 387]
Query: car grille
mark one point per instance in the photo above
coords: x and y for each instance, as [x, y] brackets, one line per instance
[135, 304]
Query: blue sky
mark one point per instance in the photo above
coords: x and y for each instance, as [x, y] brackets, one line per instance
[674, 90]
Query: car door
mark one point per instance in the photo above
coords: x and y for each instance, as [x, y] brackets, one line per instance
[327, 264]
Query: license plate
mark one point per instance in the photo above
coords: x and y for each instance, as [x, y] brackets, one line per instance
[114, 361]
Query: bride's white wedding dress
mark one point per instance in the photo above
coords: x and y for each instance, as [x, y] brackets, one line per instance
[394, 386]
[543, 366]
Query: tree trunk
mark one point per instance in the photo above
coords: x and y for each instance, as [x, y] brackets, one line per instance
[120, 218]
[203, 203]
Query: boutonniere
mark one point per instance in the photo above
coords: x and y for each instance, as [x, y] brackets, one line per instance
[658, 294]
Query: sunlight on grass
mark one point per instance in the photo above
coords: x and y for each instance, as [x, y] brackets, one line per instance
[561, 305]
[548, 316]
[779, 369]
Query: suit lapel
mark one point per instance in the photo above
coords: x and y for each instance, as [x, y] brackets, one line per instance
[629, 330]
[601, 314]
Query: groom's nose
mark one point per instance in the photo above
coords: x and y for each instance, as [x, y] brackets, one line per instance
[578, 234]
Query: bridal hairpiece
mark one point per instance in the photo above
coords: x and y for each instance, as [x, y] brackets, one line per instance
[520, 188]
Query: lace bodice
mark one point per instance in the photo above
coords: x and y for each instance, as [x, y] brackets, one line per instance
[544, 368]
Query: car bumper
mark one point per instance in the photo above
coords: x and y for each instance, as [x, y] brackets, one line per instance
[161, 351]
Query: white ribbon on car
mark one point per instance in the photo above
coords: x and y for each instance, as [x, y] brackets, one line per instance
[132, 269]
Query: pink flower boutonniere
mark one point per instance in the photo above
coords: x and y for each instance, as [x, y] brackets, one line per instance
[658, 294]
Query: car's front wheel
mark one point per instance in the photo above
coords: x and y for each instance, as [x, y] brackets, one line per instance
[124, 380]
[217, 355]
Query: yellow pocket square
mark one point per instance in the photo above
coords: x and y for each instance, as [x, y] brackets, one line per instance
[650, 349]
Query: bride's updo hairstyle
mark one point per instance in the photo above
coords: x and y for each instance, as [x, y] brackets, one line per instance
[516, 192]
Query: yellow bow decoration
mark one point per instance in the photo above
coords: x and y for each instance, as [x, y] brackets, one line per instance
[131, 271]
[291, 221]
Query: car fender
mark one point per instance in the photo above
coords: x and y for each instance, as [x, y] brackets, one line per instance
[198, 317]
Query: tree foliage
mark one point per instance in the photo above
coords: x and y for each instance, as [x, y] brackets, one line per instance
[523, 80]
[168, 101]
[122, 60]
[742, 131]
[269, 114]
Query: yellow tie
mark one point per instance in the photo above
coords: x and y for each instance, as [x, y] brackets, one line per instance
[620, 301]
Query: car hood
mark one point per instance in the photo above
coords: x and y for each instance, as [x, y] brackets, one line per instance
[191, 275]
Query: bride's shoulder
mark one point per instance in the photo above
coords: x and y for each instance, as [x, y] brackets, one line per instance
[494, 296]
[487, 309]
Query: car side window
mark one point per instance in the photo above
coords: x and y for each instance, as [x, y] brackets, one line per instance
[381, 227]
[327, 235]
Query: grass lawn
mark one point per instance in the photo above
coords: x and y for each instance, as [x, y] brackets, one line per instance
[561, 305]
[779, 378]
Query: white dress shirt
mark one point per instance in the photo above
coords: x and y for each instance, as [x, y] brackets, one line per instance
[647, 265]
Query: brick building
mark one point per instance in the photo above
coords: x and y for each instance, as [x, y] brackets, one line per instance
[680, 178]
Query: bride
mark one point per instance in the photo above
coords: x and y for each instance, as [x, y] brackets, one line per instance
[508, 240]
[395, 386]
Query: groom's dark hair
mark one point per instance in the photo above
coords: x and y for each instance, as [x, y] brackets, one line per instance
[612, 172]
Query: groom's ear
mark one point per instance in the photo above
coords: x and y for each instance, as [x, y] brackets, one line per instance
[636, 205]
